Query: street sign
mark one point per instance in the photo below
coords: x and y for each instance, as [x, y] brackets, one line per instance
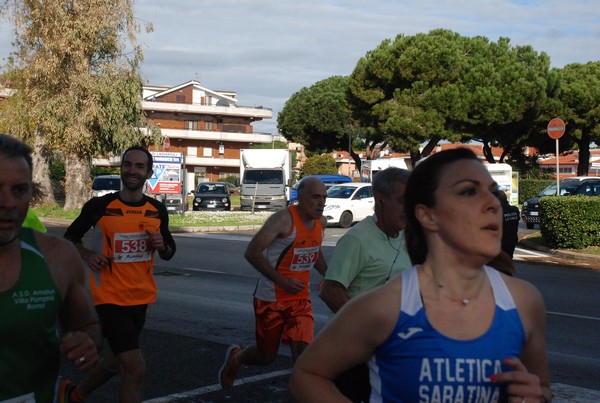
[166, 144]
[556, 128]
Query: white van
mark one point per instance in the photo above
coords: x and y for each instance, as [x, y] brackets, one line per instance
[105, 184]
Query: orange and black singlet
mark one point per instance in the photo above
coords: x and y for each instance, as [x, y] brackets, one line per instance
[120, 233]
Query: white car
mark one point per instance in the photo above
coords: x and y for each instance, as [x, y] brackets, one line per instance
[348, 203]
[105, 184]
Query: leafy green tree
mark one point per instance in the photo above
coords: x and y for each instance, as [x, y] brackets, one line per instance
[580, 96]
[319, 164]
[318, 117]
[76, 75]
[276, 144]
[428, 87]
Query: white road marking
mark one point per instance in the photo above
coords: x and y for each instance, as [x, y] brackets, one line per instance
[573, 316]
[213, 388]
[562, 393]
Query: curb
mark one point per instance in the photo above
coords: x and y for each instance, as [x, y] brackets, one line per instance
[216, 228]
[175, 230]
[557, 252]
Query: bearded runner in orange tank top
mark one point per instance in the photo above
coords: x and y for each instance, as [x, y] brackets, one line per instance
[283, 251]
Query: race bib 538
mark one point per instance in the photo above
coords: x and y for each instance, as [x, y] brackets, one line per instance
[132, 247]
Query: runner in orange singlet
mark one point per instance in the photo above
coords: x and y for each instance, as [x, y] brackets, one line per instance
[129, 229]
[283, 251]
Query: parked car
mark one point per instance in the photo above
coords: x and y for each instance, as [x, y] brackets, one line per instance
[105, 184]
[212, 196]
[348, 203]
[578, 185]
[328, 180]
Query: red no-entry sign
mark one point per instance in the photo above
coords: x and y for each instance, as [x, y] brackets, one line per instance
[556, 128]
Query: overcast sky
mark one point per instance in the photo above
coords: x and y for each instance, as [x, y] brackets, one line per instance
[266, 50]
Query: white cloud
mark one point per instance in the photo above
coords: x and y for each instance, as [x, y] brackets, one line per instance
[267, 50]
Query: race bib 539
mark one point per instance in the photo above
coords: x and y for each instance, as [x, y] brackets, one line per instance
[304, 258]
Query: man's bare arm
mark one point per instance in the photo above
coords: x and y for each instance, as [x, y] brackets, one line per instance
[334, 295]
[279, 224]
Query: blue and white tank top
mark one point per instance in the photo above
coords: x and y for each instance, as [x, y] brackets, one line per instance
[419, 364]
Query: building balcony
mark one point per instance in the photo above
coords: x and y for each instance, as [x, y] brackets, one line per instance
[248, 112]
[212, 161]
[217, 136]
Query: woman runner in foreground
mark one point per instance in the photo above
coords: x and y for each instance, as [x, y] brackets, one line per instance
[451, 328]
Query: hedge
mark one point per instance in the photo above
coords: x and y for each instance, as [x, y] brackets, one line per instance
[570, 222]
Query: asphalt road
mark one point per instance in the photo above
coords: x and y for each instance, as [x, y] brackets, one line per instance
[204, 304]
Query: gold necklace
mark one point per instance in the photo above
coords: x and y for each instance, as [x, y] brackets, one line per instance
[464, 301]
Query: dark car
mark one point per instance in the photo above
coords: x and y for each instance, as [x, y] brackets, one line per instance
[578, 185]
[212, 196]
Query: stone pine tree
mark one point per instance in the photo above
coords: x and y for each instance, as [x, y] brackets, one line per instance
[421, 89]
[580, 97]
[319, 118]
[75, 72]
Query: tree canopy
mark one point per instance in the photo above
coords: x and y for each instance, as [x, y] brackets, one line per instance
[428, 87]
[318, 117]
[76, 75]
[319, 164]
[580, 98]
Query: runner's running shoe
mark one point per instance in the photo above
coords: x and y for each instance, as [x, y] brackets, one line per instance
[230, 367]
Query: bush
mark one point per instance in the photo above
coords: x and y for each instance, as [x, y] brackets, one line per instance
[570, 221]
[529, 188]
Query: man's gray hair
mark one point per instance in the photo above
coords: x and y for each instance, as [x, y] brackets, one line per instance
[385, 181]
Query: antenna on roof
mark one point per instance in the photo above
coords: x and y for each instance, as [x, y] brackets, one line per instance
[198, 77]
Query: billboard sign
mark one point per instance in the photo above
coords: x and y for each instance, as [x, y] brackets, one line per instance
[167, 176]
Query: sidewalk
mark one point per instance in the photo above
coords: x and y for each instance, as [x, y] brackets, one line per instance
[564, 254]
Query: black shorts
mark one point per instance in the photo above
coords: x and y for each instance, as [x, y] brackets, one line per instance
[122, 325]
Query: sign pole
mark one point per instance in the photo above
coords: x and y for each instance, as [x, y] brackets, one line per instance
[556, 128]
[557, 174]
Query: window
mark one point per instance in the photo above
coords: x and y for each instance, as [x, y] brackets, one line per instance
[192, 125]
[208, 126]
[363, 193]
[264, 177]
[180, 99]
[192, 151]
[207, 152]
[234, 128]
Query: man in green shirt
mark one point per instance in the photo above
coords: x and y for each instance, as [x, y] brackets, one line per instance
[367, 256]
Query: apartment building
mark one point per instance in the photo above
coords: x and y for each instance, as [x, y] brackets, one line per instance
[207, 126]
